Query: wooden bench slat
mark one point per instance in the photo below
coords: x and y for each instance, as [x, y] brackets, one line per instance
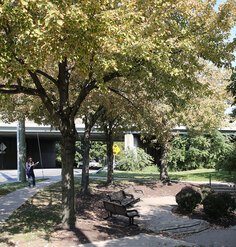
[117, 209]
[123, 198]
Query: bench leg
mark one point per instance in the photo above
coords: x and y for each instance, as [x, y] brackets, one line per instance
[131, 221]
[108, 216]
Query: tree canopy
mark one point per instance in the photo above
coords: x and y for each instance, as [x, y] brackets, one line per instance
[61, 51]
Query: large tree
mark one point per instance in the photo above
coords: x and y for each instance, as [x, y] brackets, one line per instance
[202, 112]
[60, 51]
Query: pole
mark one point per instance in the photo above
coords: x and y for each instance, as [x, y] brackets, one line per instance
[21, 150]
[40, 154]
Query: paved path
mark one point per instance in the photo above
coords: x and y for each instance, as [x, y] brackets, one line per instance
[156, 215]
[8, 176]
[215, 238]
[141, 240]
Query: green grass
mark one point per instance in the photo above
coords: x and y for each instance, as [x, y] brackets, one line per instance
[37, 216]
[10, 187]
[151, 173]
[204, 175]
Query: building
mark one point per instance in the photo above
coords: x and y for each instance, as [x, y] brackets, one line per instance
[41, 142]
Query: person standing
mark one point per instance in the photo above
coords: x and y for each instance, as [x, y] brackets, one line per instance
[30, 171]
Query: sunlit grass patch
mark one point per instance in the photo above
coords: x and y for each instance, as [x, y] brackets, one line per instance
[204, 175]
[37, 216]
[152, 173]
[10, 187]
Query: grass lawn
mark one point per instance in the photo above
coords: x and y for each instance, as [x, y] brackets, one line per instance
[38, 216]
[151, 173]
[204, 175]
[10, 187]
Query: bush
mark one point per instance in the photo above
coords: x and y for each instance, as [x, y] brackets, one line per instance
[188, 198]
[205, 191]
[218, 205]
[134, 159]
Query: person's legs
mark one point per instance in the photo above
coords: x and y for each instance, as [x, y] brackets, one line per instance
[29, 179]
[33, 179]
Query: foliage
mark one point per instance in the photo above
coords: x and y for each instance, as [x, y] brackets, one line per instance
[188, 198]
[201, 151]
[206, 110]
[232, 88]
[97, 151]
[229, 162]
[134, 159]
[205, 191]
[218, 205]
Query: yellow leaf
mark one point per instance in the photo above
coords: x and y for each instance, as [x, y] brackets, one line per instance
[60, 22]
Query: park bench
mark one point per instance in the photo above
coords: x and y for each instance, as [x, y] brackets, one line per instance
[123, 198]
[116, 209]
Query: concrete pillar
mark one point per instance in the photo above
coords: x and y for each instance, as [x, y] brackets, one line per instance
[129, 141]
[21, 151]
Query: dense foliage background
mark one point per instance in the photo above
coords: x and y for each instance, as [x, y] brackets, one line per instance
[213, 150]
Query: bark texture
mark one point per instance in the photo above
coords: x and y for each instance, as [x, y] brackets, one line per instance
[68, 193]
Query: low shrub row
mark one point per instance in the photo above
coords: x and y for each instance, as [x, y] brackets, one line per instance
[215, 205]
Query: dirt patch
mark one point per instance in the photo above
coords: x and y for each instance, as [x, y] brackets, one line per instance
[91, 225]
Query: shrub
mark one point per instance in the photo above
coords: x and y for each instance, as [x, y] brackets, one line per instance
[205, 191]
[134, 159]
[218, 205]
[188, 198]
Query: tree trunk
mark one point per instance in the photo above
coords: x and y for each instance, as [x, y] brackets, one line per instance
[68, 194]
[164, 176]
[85, 152]
[109, 157]
[89, 121]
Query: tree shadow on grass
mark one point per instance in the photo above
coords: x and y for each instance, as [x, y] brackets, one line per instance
[40, 213]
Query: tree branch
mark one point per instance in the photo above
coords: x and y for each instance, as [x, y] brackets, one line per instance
[17, 89]
[88, 86]
[116, 91]
[100, 110]
[111, 76]
[85, 90]
[42, 93]
[46, 75]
